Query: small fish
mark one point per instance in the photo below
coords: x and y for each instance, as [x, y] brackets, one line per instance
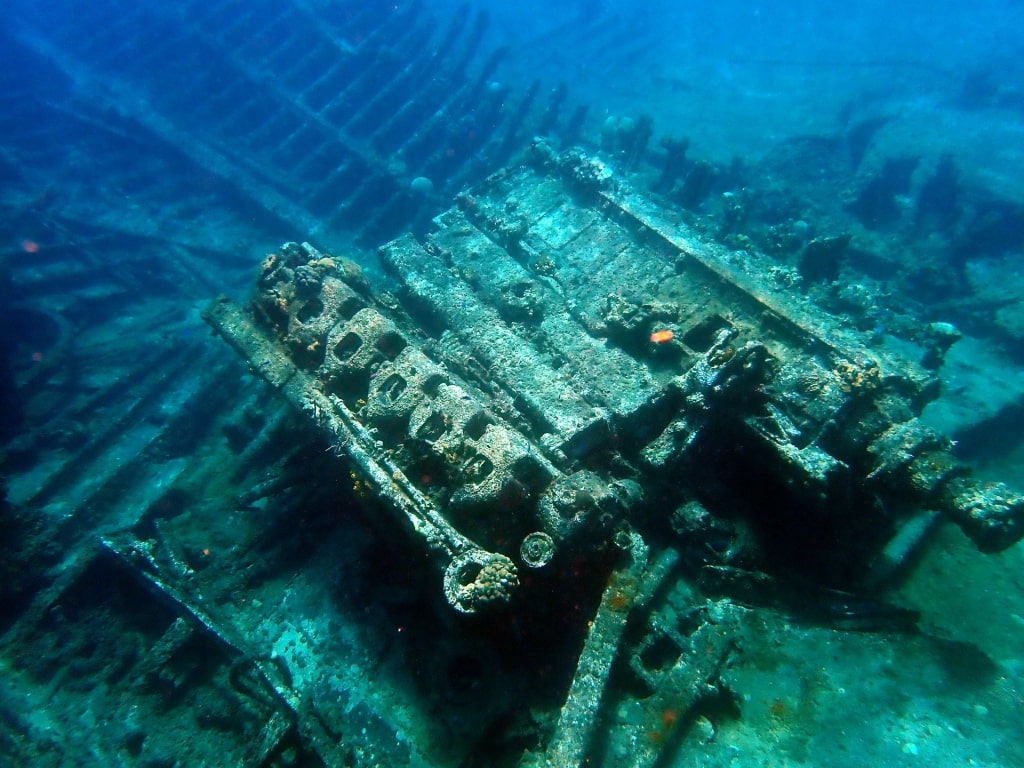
[854, 613]
[662, 336]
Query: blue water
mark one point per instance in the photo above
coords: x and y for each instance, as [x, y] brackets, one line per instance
[187, 577]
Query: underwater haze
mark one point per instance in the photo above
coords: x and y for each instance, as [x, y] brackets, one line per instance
[471, 384]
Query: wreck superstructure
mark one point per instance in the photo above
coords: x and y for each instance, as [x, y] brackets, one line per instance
[532, 498]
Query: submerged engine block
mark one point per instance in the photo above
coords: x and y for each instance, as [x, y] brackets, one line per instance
[555, 361]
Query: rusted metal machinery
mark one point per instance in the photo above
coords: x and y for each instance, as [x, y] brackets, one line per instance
[563, 370]
[558, 349]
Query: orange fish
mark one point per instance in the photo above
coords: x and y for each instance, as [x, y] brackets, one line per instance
[663, 335]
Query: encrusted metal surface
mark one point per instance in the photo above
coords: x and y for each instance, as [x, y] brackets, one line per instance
[556, 355]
